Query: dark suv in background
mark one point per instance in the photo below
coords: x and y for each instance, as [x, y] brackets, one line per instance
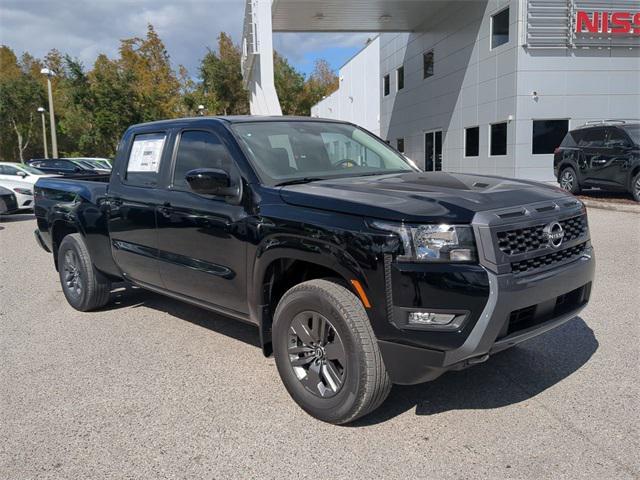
[604, 154]
[62, 166]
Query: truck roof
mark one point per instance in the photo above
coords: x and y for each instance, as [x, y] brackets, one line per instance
[237, 119]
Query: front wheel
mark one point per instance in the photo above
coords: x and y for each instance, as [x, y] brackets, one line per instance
[327, 354]
[83, 286]
[568, 180]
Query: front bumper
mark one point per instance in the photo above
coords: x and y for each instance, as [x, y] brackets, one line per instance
[518, 308]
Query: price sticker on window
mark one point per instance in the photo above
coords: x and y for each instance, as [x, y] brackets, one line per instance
[146, 153]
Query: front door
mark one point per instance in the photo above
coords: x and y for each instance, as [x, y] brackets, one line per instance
[433, 151]
[201, 239]
[592, 151]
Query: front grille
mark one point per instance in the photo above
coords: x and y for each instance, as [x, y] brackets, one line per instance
[530, 239]
[549, 259]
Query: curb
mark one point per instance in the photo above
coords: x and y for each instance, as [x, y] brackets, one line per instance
[616, 207]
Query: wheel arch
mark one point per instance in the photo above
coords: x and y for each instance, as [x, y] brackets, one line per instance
[281, 266]
[60, 229]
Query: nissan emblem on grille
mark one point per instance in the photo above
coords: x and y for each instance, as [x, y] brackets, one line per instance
[553, 234]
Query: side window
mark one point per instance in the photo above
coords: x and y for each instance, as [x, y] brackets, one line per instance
[145, 156]
[616, 138]
[199, 149]
[8, 170]
[592, 137]
[63, 165]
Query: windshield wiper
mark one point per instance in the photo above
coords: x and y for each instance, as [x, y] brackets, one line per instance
[298, 181]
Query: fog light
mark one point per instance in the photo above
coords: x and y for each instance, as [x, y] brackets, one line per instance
[461, 255]
[430, 318]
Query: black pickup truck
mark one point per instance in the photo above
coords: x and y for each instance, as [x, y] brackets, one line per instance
[358, 269]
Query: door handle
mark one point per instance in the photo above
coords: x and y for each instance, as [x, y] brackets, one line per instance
[165, 209]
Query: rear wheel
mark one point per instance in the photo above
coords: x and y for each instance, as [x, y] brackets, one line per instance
[327, 354]
[569, 180]
[635, 187]
[83, 286]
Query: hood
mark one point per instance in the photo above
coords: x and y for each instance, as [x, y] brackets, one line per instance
[419, 197]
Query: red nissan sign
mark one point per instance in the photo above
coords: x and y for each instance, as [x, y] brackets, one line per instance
[608, 22]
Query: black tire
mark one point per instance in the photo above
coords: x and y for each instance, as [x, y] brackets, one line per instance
[83, 286]
[362, 381]
[635, 187]
[568, 180]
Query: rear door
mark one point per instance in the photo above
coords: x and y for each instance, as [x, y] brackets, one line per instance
[202, 238]
[614, 160]
[134, 195]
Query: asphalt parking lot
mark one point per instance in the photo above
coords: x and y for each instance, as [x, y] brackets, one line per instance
[153, 388]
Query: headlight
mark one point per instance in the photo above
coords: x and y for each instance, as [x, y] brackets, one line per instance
[433, 243]
[23, 191]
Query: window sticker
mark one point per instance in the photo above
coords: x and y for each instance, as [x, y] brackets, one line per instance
[146, 153]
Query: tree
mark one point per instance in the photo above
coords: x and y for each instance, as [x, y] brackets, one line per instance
[289, 86]
[154, 82]
[322, 82]
[20, 96]
[222, 78]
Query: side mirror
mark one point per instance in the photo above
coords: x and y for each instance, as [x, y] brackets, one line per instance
[23, 174]
[210, 181]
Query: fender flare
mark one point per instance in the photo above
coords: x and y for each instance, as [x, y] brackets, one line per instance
[292, 247]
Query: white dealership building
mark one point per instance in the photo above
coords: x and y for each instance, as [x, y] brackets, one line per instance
[485, 86]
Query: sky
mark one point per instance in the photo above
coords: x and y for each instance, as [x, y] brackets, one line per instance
[86, 28]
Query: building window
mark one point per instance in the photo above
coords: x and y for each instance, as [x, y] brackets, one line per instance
[548, 135]
[427, 64]
[500, 28]
[385, 83]
[471, 141]
[400, 145]
[400, 78]
[498, 144]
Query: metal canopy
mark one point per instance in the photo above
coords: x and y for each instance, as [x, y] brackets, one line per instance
[352, 15]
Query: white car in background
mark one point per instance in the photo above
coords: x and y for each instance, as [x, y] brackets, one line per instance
[20, 179]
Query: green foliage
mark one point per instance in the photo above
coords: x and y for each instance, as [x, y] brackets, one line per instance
[94, 107]
[20, 96]
[222, 78]
[289, 86]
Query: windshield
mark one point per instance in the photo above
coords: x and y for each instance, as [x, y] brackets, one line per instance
[298, 150]
[31, 170]
[634, 132]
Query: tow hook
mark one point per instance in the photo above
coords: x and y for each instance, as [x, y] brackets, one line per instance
[477, 360]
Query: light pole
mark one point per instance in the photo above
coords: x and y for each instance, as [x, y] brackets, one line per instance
[44, 131]
[54, 140]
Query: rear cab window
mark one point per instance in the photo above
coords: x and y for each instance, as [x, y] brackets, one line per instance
[145, 157]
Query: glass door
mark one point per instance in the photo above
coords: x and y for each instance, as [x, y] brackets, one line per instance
[433, 151]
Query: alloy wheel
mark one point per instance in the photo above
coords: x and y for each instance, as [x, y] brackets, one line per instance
[72, 275]
[317, 354]
[567, 180]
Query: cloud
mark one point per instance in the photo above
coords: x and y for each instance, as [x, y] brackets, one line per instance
[295, 46]
[84, 29]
